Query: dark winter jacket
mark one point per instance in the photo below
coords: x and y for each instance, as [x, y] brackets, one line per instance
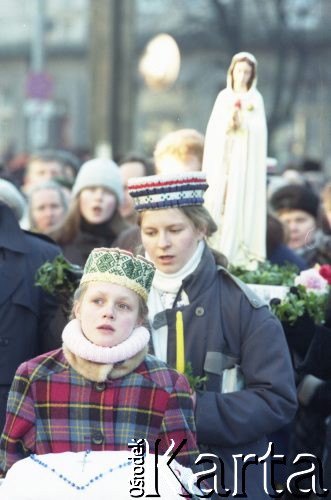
[226, 324]
[310, 433]
[89, 237]
[26, 311]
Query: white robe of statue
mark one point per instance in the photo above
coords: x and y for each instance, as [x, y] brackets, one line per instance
[235, 165]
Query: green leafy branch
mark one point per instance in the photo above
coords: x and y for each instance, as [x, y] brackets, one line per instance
[267, 274]
[59, 278]
[298, 302]
[196, 382]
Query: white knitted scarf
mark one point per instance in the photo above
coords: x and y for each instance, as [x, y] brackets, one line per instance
[74, 339]
[165, 288]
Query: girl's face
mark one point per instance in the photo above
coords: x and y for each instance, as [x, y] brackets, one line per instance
[242, 73]
[108, 313]
[169, 238]
[97, 204]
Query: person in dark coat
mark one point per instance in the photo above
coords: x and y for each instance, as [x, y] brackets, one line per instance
[26, 311]
[277, 252]
[312, 424]
[200, 313]
[298, 209]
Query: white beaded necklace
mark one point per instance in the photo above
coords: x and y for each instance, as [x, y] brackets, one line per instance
[72, 483]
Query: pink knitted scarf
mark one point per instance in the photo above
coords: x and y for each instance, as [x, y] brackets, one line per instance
[79, 345]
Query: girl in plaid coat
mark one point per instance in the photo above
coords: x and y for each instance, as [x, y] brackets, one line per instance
[101, 389]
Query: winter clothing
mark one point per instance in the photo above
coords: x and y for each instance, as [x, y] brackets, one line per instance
[100, 396]
[226, 324]
[118, 266]
[314, 394]
[168, 190]
[282, 255]
[99, 172]
[26, 311]
[76, 341]
[295, 197]
[90, 236]
[12, 197]
[56, 405]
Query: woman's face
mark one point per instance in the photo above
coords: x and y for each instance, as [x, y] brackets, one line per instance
[97, 204]
[300, 227]
[108, 313]
[242, 73]
[169, 238]
[46, 209]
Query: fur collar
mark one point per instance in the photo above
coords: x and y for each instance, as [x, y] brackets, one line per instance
[98, 372]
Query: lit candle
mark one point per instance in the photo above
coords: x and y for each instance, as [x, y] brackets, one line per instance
[180, 353]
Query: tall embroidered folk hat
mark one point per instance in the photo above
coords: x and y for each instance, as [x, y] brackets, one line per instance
[168, 190]
[120, 267]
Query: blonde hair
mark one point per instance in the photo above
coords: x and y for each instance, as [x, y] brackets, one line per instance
[181, 144]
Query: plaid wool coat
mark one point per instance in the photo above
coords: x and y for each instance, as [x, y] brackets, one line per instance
[52, 408]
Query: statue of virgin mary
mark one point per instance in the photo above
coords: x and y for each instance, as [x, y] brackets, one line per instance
[234, 160]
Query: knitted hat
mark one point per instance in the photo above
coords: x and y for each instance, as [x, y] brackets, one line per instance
[99, 172]
[11, 196]
[168, 190]
[120, 267]
[295, 197]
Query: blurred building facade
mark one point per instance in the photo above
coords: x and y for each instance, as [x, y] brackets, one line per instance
[89, 89]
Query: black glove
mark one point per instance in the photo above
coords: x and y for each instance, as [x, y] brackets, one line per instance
[317, 360]
[299, 335]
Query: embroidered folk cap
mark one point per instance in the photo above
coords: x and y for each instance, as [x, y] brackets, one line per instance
[120, 267]
[168, 190]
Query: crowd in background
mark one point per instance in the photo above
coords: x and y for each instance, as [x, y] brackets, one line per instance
[53, 202]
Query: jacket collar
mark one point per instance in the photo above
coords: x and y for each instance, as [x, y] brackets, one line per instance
[202, 277]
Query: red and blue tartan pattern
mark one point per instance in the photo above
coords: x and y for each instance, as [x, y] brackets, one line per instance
[51, 409]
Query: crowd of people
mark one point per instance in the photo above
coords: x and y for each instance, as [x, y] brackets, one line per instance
[157, 301]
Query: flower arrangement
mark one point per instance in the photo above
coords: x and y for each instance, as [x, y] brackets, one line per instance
[308, 291]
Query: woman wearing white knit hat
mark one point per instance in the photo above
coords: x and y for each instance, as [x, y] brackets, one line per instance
[93, 219]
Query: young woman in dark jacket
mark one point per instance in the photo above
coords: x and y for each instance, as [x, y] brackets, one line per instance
[200, 313]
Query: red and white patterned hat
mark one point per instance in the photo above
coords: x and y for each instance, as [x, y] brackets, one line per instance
[168, 190]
